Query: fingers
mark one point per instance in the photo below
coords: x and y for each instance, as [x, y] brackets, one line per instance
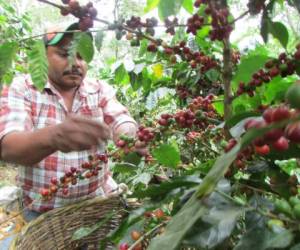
[91, 126]
[78, 133]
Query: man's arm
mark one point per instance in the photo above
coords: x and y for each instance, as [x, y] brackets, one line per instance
[27, 148]
[76, 133]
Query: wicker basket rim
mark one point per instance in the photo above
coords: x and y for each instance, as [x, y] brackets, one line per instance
[84, 202]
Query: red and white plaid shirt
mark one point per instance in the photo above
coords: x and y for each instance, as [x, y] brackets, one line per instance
[24, 108]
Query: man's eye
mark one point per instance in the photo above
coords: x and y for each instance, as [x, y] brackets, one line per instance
[63, 54]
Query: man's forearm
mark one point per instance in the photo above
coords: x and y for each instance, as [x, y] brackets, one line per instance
[27, 148]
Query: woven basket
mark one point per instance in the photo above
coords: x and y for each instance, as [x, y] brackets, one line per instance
[54, 230]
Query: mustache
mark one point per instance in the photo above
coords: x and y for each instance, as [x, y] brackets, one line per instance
[72, 72]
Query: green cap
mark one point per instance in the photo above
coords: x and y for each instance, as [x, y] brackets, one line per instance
[55, 34]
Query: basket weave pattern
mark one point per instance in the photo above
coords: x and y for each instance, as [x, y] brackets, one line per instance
[54, 229]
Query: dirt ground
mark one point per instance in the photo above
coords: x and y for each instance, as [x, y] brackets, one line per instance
[7, 174]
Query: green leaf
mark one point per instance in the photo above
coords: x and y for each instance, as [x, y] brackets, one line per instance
[188, 6]
[215, 226]
[167, 155]
[7, 53]
[260, 238]
[194, 209]
[133, 158]
[279, 31]
[179, 225]
[99, 40]
[124, 167]
[86, 231]
[249, 64]
[296, 247]
[168, 8]
[279, 240]
[151, 4]
[219, 106]
[85, 47]
[121, 75]
[276, 89]
[38, 64]
[142, 178]
[164, 188]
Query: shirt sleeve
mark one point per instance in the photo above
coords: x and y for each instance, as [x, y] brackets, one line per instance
[114, 112]
[15, 110]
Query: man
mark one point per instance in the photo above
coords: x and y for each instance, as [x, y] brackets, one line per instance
[47, 132]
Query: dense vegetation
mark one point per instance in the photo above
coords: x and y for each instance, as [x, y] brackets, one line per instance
[222, 124]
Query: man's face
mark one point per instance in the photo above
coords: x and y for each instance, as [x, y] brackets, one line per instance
[62, 75]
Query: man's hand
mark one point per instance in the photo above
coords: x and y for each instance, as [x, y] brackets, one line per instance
[141, 148]
[78, 133]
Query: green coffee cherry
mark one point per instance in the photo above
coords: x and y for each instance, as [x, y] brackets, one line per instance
[297, 211]
[282, 206]
[294, 200]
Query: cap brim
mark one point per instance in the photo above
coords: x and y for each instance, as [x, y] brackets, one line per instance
[59, 36]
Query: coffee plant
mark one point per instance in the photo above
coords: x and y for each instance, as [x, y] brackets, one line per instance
[222, 126]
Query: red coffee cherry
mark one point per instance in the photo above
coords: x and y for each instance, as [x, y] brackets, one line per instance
[281, 144]
[292, 132]
[121, 143]
[263, 150]
[44, 192]
[54, 180]
[123, 246]
[65, 191]
[281, 113]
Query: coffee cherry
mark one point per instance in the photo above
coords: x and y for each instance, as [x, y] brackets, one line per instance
[123, 246]
[297, 55]
[274, 134]
[85, 23]
[138, 247]
[152, 47]
[163, 122]
[282, 206]
[292, 132]
[293, 95]
[53, 189]
[268, 115]
[64, 11]
[263, 150]
[159, 213]
[93, 12]
[74, 5]
[294, 201]
[54, 180]
[280, 113]
[281, 144]
[197, 3]
[65, 191]
[135, 235]
[121, 143]
[44, 192]
[274, 72]
[297, 211]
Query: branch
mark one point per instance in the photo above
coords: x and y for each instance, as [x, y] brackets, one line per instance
[65, 32]
[240, 17]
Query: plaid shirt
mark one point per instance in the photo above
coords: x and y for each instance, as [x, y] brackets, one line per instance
[24, 108]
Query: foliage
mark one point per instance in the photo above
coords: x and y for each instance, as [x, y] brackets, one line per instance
[221, 171]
